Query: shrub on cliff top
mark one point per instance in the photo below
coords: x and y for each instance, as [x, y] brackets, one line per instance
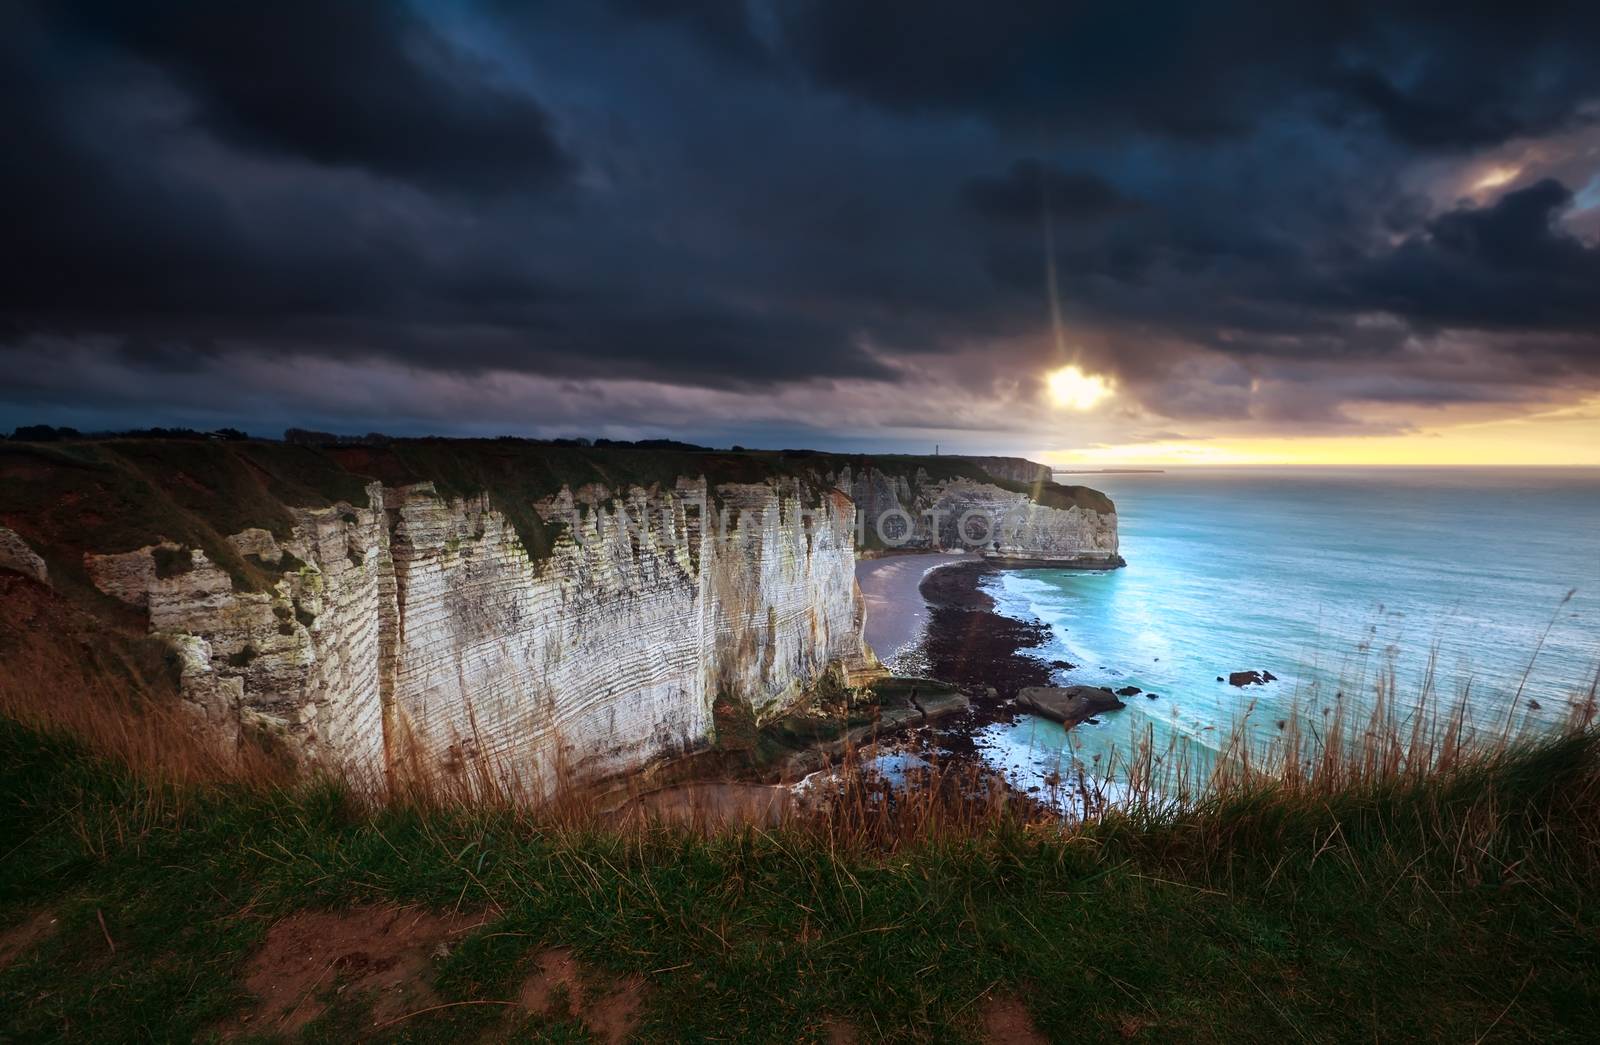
[44, 433]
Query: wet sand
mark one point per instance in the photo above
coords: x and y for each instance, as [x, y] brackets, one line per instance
[896, 611]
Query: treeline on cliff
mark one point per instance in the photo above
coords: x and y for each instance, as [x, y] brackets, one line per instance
[309, 437]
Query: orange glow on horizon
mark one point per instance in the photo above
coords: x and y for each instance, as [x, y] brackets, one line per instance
[1567, 437]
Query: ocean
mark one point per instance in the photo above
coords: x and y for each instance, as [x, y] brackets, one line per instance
[1329, 579]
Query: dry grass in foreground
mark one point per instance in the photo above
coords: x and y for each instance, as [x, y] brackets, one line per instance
[1382, 880]
[116, 700]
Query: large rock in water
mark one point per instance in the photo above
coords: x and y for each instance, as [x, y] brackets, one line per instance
[1067, 705]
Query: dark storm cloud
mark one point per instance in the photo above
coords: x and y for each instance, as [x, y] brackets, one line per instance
[723, 24]
[1031, 187]
[1503, 266]
[771, 196]
[365, 83]
[166, 356]
[119, 217]
[1432, 75]
[134, 220]
[1097, 68]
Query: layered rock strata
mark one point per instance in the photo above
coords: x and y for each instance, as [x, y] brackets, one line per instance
[415, 633]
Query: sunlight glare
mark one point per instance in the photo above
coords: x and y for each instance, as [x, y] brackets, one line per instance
[1496, 177]
[1072, 388]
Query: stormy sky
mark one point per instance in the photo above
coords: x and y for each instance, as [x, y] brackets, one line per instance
[824, 223]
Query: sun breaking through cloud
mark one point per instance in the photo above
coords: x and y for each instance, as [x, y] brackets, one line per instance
[1070, 387]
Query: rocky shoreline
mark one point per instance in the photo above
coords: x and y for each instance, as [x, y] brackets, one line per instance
[977, 668]
[991, 657]
[969, 645]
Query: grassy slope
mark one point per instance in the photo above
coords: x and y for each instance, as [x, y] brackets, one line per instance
[1446, 914]
[118, 495]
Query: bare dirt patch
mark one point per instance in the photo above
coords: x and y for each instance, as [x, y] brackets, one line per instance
[1006, 1022]
[559, 987]
[1130, 1027]
[384, 952]
[17, 940]
[840, 1032]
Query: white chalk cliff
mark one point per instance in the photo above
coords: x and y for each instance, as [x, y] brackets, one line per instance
[414, 633]
[963, 513]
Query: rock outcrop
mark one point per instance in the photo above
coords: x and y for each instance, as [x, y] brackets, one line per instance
[16, 555]
[1013, 469]
[1067, 705]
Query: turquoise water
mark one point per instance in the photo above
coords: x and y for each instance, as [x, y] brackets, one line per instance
[1328, 579]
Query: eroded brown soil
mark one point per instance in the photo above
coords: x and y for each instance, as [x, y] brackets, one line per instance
[17, 940]
[558, 986]
[1006, 1022]
[384, 952]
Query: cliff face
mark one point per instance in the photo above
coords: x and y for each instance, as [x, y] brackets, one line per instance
[496, 607]
[415, 631]
[1013, 469]
[1039, 522]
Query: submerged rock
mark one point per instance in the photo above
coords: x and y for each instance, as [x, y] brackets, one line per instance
[1129, 691]
[1067, 705]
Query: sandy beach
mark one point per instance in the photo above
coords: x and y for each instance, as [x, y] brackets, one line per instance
[896, 612]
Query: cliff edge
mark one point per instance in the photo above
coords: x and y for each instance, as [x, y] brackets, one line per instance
[498, 607]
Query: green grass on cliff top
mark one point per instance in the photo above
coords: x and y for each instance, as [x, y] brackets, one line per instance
[116, 495]
[66, 499]
[1388, 915]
